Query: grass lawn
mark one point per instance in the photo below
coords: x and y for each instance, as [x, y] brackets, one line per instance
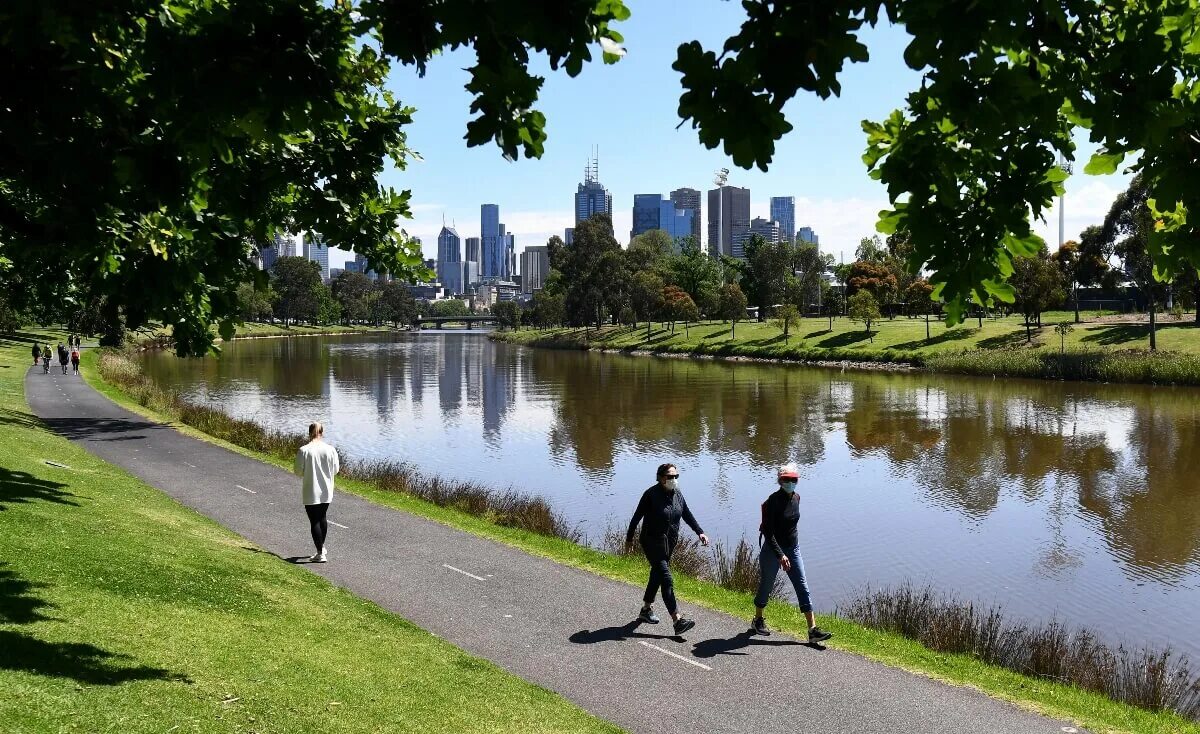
[122, 611]
[1093, 711]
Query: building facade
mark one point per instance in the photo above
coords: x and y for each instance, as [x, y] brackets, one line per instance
[590, 196]
[568, 235]
[489, 240]
[535, 266]
[652, 211]
[689, 200]
[806, 234]
[315, 250]
[472, 244]
[728, 221]
[449, 260]
[783, 210]
[768, 229]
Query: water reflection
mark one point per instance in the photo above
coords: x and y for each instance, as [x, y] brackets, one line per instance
[1056, 496]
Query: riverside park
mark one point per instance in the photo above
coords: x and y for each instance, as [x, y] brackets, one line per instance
[335, 397]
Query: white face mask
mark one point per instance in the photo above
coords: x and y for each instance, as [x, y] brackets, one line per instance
[788, 486]
[671, 484]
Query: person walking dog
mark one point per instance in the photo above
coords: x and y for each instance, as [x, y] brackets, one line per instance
[780, 516]
[659, 511]
[318, 463]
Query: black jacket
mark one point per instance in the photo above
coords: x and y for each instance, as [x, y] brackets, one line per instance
[659, 511]
[781, 513]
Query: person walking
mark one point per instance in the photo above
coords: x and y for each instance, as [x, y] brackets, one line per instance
[661, 508]
[75, 360]
[780, 516]
[63, 357]
[317, 462]
[37, 353]
[46, 359]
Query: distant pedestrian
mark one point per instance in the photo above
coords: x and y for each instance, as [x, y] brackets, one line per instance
[46, 359]
[78, 341]
[317, 462]
[660, 510]
[75, 360]
[780, 516]
[63, 357]
[37, 354]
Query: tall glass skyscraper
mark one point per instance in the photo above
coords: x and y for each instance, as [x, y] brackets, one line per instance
[491, 246]
[317, 251]
[591, 197]
[449, 261]
[728, 221]
[783, 210]
[652, 211]
[689, 200]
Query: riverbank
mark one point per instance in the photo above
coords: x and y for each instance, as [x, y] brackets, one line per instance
[1094, 711]
[160, 338]
[1098, 352]
[120, 610]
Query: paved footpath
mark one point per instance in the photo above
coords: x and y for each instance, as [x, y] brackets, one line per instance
[559, 627]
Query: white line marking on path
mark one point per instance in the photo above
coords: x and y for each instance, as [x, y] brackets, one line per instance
[678, 657]
[191, 465]
[464, 573]
[343, 527]
[246, 489]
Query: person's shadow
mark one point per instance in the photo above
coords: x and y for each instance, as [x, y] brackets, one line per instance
[731, 646]
[627, 631]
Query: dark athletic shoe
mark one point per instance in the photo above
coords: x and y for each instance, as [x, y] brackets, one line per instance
[683, 624]
[648, 617]
[816, 634]
[759, 627]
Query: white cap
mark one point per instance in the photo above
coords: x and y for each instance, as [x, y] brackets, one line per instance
[789, 471]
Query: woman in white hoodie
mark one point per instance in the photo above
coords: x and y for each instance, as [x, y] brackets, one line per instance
[317, 462]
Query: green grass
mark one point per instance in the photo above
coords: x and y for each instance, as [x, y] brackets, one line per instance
[161, 336]
[1094, 351]
[122, 611]
[1091, 710]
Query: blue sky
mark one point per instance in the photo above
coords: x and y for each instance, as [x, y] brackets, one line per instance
[629, 110]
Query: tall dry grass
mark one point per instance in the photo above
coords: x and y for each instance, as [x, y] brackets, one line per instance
[1151, 679]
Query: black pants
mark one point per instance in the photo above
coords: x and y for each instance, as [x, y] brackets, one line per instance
[658, 553]
[317, 523]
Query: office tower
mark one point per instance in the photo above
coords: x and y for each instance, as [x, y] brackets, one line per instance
[472, 249]
[535, 265]
[591, 197]
[267, 255]
[652, 211]
[317, 251]
[489, 241]
[449, 260]
[783, 210]
[806, 234]
[689, 200]
[768, 229]
[568, 235]
[728, 221]
[510, 263]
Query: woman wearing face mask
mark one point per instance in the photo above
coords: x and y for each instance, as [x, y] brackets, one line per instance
[660, 510]
[780, 514]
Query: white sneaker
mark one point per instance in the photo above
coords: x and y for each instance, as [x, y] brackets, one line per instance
[318, 558]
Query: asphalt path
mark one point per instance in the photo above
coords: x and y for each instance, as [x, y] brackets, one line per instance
[559, 627]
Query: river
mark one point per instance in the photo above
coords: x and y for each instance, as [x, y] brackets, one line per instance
[1067, 499]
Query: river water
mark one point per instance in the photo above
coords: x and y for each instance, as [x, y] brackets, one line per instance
[1075, 500]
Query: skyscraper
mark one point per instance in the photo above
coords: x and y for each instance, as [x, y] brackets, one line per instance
[768, 229]
[728, 221]
[646, 213]
[489, 239]
[806, 234]
[783, 210]
[568, 235]
[591, 197]
[535, 265]
[689, 200]
[449, 260]
[317, 251]
[472, 244]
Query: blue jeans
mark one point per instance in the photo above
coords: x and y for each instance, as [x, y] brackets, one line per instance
[769, 565]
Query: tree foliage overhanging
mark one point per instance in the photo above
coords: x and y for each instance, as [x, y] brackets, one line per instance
[145, 146]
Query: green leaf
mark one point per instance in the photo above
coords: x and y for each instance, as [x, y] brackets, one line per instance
[1000, 290]
[1103, 163]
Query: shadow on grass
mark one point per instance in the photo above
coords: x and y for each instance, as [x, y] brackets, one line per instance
[717, 334]
[19, 418]
[1128, 335]
[1010, 340]
[718, 646]
[845, 339]
[950, 335]
[75, 660]
[17, 603]
[627, 631]
[22, 487]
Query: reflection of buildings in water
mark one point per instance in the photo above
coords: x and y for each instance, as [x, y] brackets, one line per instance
[499, 392]
[451, 378]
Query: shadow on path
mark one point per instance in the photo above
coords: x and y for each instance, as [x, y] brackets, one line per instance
[730, 646]
[100, 429]
[627, 631]
[19, 486]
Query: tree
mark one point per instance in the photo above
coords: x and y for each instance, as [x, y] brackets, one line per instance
[646, 296]
[732, 306]
[255, 304]
[785, 316]
[449, 308]
[1126, 232]
[548, 309]
[919, 300]
[1083, 263]
[350, 290]
[1062, 330]
[693, 270]
[328, 309]
[768, 266]
[297, 280]
[809, 266]
[871, 249]
[587, 273]
[863, 307]
[835, 303]
[678, 306]
[398, 303]
[1039, 287]
[508, 313]
[656, 245]
[874, 277]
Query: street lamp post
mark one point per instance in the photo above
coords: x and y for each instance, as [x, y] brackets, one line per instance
[1067, 168]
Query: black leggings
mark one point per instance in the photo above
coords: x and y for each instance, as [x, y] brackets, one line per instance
[660, 574]
[317, 523]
